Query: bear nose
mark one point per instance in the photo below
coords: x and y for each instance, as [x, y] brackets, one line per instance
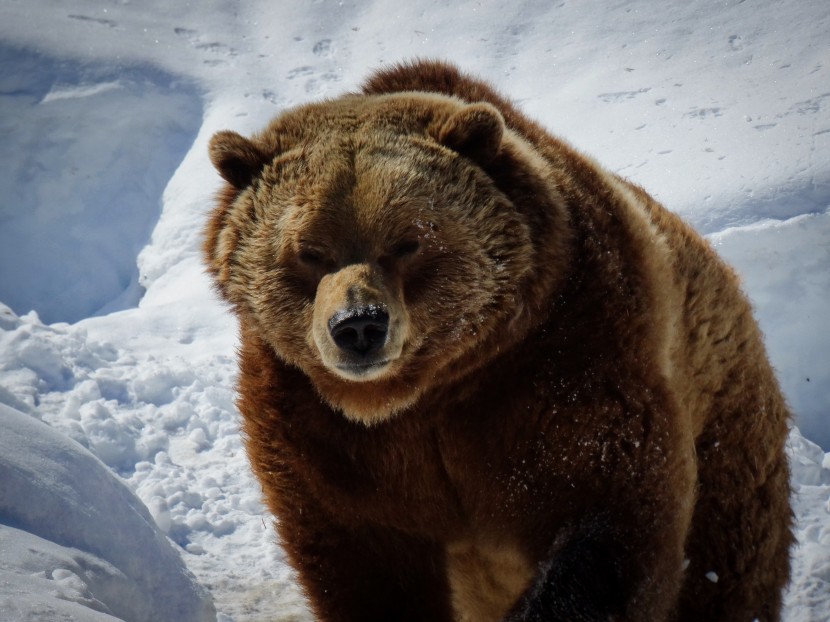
[361, 330]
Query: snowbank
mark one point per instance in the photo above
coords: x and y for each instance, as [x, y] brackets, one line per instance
[82, 181]
[785, 266]
[75, 538]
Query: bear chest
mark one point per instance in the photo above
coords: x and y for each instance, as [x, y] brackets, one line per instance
[379, 478]
[432, 481]
[443, 489]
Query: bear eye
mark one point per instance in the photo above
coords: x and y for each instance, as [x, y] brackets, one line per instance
[399, 253]
[405, 248]
[311, 257]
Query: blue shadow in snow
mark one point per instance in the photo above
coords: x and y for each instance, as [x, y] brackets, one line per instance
[87, 150]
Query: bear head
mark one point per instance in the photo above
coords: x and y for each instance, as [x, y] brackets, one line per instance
[383, 244]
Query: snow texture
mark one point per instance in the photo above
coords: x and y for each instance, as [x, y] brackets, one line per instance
[110, 333]
[81, 536]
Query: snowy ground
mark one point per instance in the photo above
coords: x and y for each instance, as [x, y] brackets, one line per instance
[720, 109]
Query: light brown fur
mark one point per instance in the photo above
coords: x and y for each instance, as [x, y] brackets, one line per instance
[485, 580]
[566, 396]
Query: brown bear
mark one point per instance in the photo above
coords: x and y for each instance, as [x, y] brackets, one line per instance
[484, 379]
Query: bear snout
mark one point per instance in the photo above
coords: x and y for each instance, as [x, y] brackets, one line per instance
[359, 324]
[360, 331]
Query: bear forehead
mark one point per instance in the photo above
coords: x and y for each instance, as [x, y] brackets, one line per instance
[368, 163]
[362, 191]
[360, 118]
[376, 149]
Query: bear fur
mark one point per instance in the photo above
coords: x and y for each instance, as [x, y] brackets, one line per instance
[484, 379]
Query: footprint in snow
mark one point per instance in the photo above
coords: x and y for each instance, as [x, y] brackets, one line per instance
[323, 48]
[297, 72]
[736, 43]
[96, 20]
[619, 96]
[185, 32]
[703, 113]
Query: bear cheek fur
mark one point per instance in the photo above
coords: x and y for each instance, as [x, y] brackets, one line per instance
[250, 259]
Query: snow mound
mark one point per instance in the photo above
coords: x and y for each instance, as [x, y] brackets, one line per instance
[785, 267]
[806, 598]
[77, 543]
[82, 181]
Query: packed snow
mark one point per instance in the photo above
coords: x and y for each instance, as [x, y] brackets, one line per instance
[81, 536]
[124, 488]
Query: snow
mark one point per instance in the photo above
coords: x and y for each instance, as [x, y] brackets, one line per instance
[112, 336]
[81, 537]
[63, 125]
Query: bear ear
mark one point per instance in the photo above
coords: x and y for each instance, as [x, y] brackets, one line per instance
[237, 159]
[476, 131]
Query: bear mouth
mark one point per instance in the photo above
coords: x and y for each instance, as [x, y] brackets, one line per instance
[364, 370]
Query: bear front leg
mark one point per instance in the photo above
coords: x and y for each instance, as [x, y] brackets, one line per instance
[620, 564]
[368, 573]
[594, 576]
[581, 581]
[372, 574]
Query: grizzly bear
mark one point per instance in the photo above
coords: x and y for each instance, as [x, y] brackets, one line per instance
[484, 379]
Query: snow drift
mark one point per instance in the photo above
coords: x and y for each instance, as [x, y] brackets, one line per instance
[74, 535]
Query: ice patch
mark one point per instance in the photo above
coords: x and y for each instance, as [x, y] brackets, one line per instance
[60, 91]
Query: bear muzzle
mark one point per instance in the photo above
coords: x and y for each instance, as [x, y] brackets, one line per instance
[359, 325]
